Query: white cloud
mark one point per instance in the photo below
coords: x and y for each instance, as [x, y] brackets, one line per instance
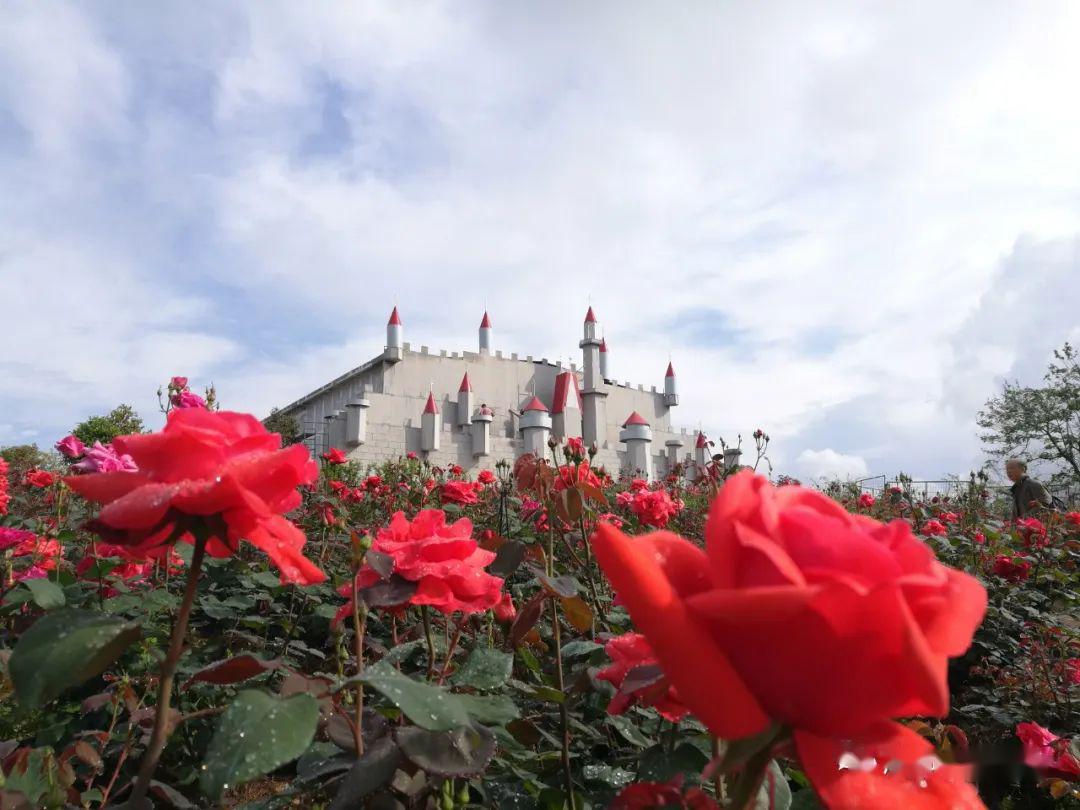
[827, 464]
[818, 210]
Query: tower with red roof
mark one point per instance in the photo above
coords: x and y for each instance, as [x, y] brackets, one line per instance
[430, 426]
[593, 412]
[485, 334]
[604, 360]
[535, 427]
[671, 392]
[636, 434]
[394, 344]
[465, 402]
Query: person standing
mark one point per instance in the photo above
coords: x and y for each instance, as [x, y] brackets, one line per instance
[1028, 495]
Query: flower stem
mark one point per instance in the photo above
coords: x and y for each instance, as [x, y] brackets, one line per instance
[425, 613]
[160, 734]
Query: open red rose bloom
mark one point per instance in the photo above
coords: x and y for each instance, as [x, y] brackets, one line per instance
[216, 471]
[444, 561]
[797, 612]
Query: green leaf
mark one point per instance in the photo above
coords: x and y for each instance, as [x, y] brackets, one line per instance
[46, 594]
[65, 648]
[428, 706]
[495, 709]
[461, 752]
[368, 773]
[774, 793]
[258, 733]
[805, 799]
[576, 648]
[629, 730]
[660, 765]
[485, 668]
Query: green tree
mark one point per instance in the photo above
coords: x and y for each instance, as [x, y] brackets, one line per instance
[1039, 424]
[280, 422]
[120, 421]
[22, 457]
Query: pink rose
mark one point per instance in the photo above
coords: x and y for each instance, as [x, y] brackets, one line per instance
[70, 446]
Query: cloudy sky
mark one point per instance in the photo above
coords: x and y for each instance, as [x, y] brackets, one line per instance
[846, 223]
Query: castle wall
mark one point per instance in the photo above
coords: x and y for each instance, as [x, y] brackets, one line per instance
[397, 393]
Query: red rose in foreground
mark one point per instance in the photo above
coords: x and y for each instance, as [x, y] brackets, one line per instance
[1047, 753]
[218, 466]
[443, 560]
[890, 767]
[796, 611]
[462, 492]
[631, 656]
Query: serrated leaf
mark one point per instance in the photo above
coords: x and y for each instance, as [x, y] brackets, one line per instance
[576, 648]
[369, 773]
[45, 593]
[507, 559]
[233, 670]
[461, 752]
[485, 668]
[494, 709]
[65, 648]
[428, 706]
[258, 733]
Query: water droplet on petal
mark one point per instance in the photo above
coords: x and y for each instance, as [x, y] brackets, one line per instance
[848, 762]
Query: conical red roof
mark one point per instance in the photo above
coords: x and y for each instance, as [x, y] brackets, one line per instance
[603, 344]
[670, 370]
[395, 319]
[431, 407]
[465, 384]
[486, 323]
[635, 418]
[701, 442]
[535, 405]
[590, 317]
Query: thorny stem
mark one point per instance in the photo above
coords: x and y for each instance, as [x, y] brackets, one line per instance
[450, 650]
[426, 615]
[359, 617]
[563, 716]
[160, 734]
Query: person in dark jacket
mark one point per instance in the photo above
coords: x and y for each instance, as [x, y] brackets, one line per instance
[1028, 495]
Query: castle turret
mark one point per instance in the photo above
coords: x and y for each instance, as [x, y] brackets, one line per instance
[485, 334]
[465, 401]
[673, 446]
[356, 420]
[481, 431]
[593, 415]
[603, 360]
[430, 425]
[566, 406]
[393, 337]
[671, 393]
[535, 426]
[637, 436]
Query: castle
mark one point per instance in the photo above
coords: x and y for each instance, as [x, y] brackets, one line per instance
[475, 408]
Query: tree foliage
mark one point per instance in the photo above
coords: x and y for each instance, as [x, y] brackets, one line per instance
[22, 457]
[120, 421]
[280, 422]
[1039, 424]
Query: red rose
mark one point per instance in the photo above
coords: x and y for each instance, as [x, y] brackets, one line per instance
[866, 500]
[372, 482]
[796, 610]
[462, 492]
[219, 468]
[654, 507]
[630, 652]
[486, 477]
[1047, 753]
[326, 514]
[40, 478]
[570, 475]
[411, 456]
[504, 611]
[575, 447]
[334, 456]
[933, 527]
[1032, 531]
[639, 485]
[979, 538]
[889, 767]
[1073, 518]
[1014, 569]
[444, 560]
[650, 795]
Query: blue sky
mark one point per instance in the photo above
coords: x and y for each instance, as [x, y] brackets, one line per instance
[845, 222]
